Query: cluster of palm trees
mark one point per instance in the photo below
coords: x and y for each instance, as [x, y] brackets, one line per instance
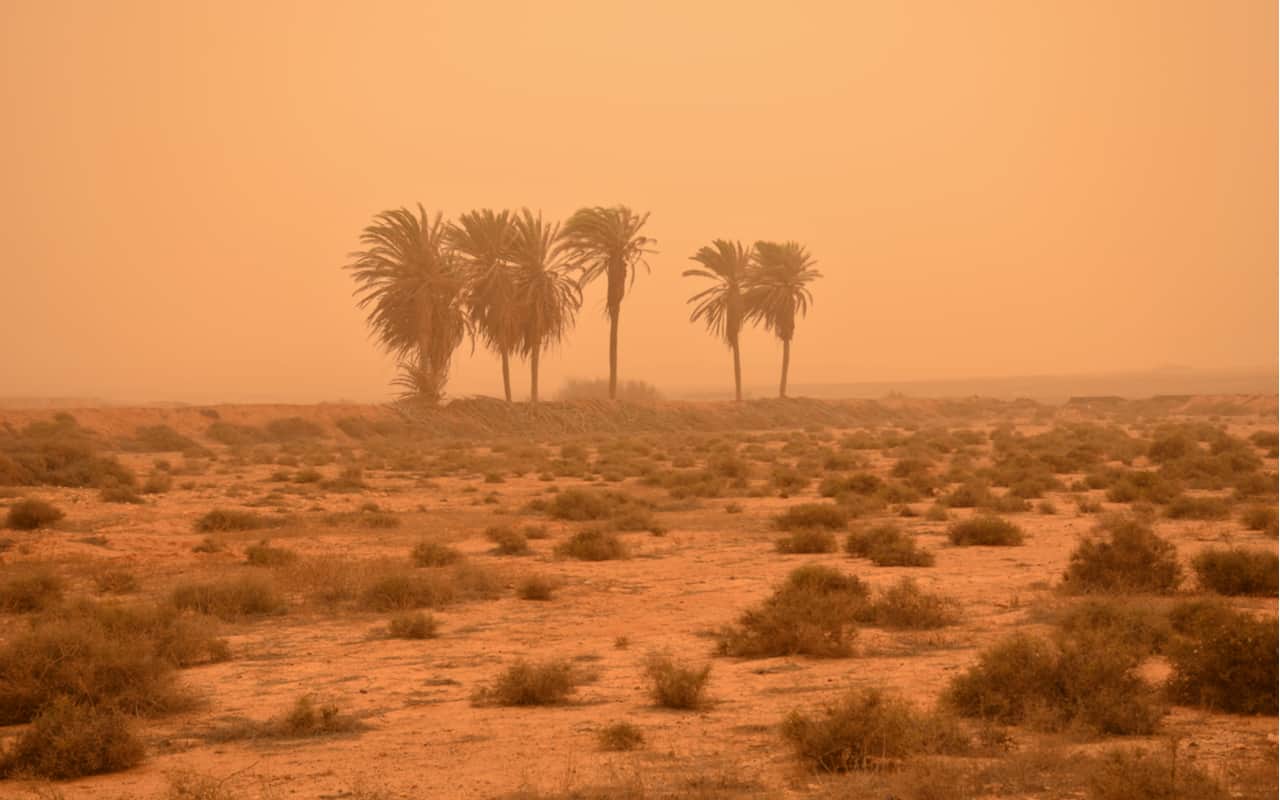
[514, 282]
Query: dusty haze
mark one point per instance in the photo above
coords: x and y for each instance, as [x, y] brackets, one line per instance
[990, 188]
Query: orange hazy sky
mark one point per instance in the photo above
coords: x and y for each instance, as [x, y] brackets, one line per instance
[991, 188]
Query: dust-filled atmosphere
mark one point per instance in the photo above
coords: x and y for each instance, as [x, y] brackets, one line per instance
[593, 401]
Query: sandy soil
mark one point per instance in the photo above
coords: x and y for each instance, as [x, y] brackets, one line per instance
[427, 739]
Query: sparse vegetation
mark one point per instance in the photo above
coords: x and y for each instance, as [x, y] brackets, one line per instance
[434, 554]
[1237, 571]
[224, 519]
[1123, 555]
[593, 544]
[31, 514]
[887, 546]
[807, 540]
[412, 625]
[826, 516]
[813, 613]
[673, 685]
[230, 599]
[1225, 660]
[621, 736]
[70, 740]
[30, 590]
[263, 554]
[507, 540]
[985, 530]
[1132, 774]
[527, 683]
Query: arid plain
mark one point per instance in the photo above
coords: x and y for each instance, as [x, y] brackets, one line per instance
[608, 552]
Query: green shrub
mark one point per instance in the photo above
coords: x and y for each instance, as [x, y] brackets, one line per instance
[1137, 775]
[592, 544]
[812, 515]
[813, 613]
[675, 686]
[30, 514]
[869, 729]
[984, 530]
[434, 554]
[224, 519]
[1225, 660]
[412, 625]
[230, 599]
[507, 540]
[1237, 571]
[1131, 559]
[35, 590]
[1053, 684]
[807, 540]
[526, 683]
[887, 546]
[70, 740]
[621, 736]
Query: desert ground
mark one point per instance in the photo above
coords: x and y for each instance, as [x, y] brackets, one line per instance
[324, 505]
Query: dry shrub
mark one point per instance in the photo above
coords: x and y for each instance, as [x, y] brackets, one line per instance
[905, 606]
[115, 581]
[807, 540]
[70, 740]
[535, 587]
[986, 530]
[1237, 571]
[1138, 623]
[231, 519]
[813, 613]
[1132, 559]
[580, 505]
[1132, 774]
[1224, 659]
[887, 546]
[399, 590]
[507, 540]
[30, 514]
[1088, 681]
[434, 554]
[304, 720]
[593, 544]
[1260, 518]
[413, 625]
[674, 685]
[34, 590]
[812, 515]
[263, 554]
[232, 598]
[120, 494]
[621, 736]
[527, 683]
[1188, 507]
[869, 729]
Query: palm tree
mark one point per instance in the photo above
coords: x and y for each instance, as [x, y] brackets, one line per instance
[412, 284]
[607, 241]
[777, 291]
[549, 296]
[483, 240]
[728, 264]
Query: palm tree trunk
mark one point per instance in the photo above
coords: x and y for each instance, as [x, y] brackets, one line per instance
[533, 373]
[506, 374]
[786, 364]
[613, 354]
[737, 373]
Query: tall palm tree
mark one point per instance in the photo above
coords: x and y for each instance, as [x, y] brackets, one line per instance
[411, 283]
[483, 240]
[607, 241]
[549, 296]
[777, 290]
[728, 264]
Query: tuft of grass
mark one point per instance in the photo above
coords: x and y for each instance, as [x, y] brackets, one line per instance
[1224, 660]
[527, 683]
[230, 519]
[593, 544]
[828, 516]
[986, 530]
[263, 554]
[1131, 558]
[887, 546]
[413, 625]
[507, 540]
[621, 736]
[673, 685]
[30, 514]
[807, 540]
[869, 729]
[115, 581]
[535, 587]
[71, 740]
[230, 599]
[36, 590]
[1132, 774]
[813, 613]
[434, 554]
[1237, 571]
